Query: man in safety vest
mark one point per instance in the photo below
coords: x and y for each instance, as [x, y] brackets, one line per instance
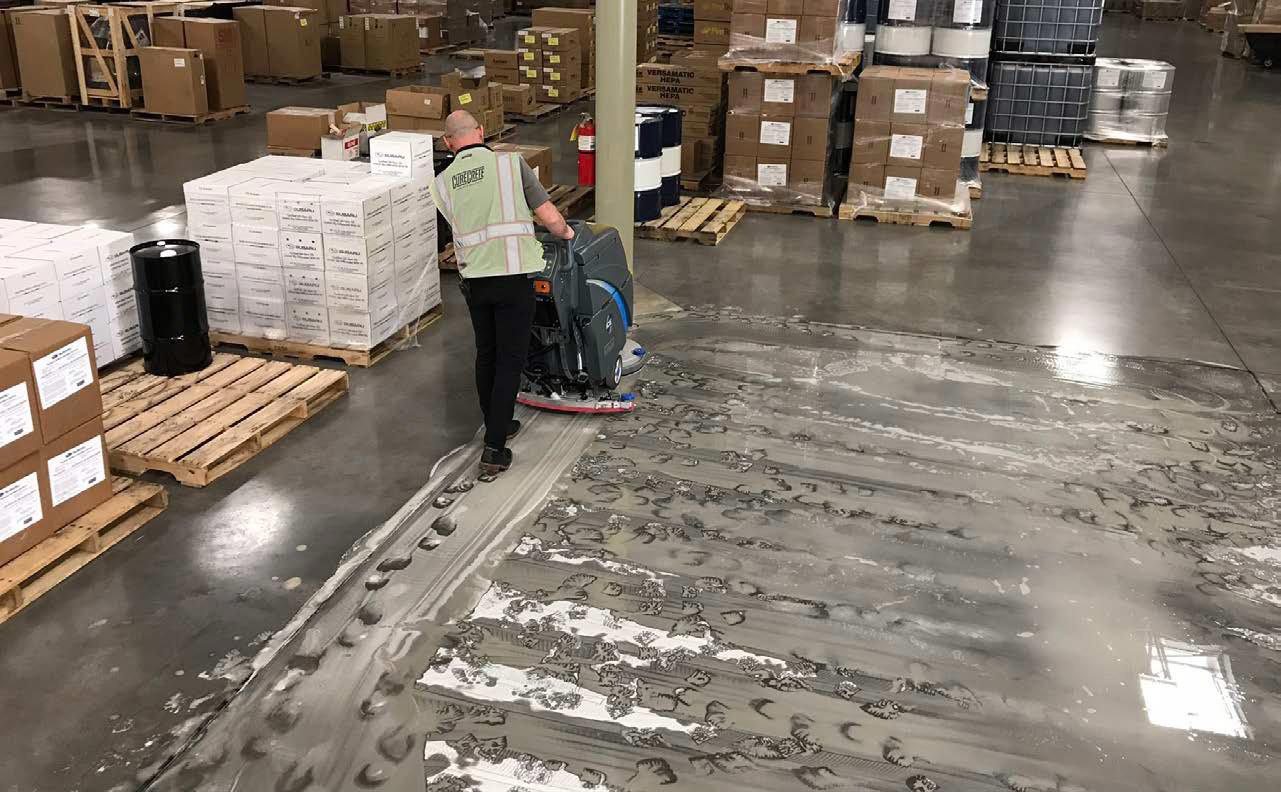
[490, 200]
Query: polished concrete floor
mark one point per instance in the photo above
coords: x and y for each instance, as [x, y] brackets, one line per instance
[1160, 253]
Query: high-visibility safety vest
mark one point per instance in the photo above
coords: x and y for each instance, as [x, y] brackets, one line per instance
[481, 196]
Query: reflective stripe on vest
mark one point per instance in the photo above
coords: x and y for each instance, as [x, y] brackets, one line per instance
[492, 223]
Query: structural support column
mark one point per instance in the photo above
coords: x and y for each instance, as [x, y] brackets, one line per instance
[616, 117]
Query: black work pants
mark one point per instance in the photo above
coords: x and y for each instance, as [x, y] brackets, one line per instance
[502, 312]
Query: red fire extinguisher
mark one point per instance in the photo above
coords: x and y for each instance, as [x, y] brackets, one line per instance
[585, 134]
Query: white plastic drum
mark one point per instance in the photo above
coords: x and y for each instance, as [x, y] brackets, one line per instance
[902, 40]
[850, 37]
[962, 42]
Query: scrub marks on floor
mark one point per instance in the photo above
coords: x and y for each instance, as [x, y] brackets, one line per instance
[832, 559]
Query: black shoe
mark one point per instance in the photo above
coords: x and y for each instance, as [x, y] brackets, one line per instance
[513, 428]
[495, 460]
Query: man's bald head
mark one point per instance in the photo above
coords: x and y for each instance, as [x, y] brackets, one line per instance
[462, 129]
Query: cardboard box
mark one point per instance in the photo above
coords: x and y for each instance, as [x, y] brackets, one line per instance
[403, 123]
[818, 32]
[786, 7]
[712, 32]
[468, 90]
[518, 99]
[939, 185]
[293, 41]
[807, 177]
[406, 155]
[539, 159]
[871, 142]
[418, 101]
[351, 42]
[342, 145]
[19, 423]
[298, 127]
[253, 39]
[907, 145]
[8, 54]
[775, 137]
[901, 183]
[46, 60]
[307, 323]
[742, 135]
[909, 102]
[24, 507]
[943, 148]
[220, 43]
[949, 94]
[810, 138]
[500, 59]
[713, 9]
[65, 372]
[168, 32]
[560, 39]
[263, 318]
[751, 6]
[391, 42]
[173, 81]
[431, 32]
[557, 94]
[876, 93]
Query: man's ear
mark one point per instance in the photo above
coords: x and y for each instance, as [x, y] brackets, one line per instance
[482, 131]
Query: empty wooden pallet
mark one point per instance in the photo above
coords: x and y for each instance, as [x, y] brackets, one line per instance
[704, 220]
[1026, 160]
[132, 505]
[199, 427]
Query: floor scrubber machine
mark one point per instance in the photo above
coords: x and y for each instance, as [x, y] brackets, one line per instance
[579, 352]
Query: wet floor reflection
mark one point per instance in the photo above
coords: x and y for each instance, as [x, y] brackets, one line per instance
[821, 558]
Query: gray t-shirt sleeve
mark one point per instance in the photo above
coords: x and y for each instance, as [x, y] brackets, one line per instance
[535, 194]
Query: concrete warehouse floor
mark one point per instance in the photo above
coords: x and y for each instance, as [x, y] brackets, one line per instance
[1166, 254]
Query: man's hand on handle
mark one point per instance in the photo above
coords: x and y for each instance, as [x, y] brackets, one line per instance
[551, 219]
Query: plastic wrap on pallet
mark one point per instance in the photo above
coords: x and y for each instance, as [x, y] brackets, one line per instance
[1130, 100]
[810, 34]
[1047, 27]
[898, 194]
[1037, 103]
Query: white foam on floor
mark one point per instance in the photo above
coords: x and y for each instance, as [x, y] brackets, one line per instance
[508, 774]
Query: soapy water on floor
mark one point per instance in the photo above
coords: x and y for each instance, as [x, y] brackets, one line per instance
[814, 558]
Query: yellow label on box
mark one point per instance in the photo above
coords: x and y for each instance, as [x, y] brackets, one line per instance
[464, 98]
[553, 41]
[529, 56]
[553, 92]
[531, 73]
[555, 59]
[555, 76]
[302, 22]
[530, 38]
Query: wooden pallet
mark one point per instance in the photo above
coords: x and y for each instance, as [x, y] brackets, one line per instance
[1032, 160]
[34, 573]
[976, 192]
[791, 209]
[199, 427]
[363, 358]
[451, 49]
[191, 120]
[395, 74]
[844, 68]
[267, 79]
[1110, 141]
[704, 220]
[71, 103]
[469, 53]
[927, 218]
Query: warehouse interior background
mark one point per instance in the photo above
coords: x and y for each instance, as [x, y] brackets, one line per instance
[997, 464]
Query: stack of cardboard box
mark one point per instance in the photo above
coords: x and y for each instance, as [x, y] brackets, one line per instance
[198, 66]
[908, 129]
[77, 273]
[785, 30]
[646, 30]
[281, 42]
[378, 42]
[538, 157]
[711, 24]
[53, 460]
[464, 21]
[502, 67]
[777, 133]
[693, 82]
[550, 59]
[335, 254]
[417, 108]
[584, 21]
